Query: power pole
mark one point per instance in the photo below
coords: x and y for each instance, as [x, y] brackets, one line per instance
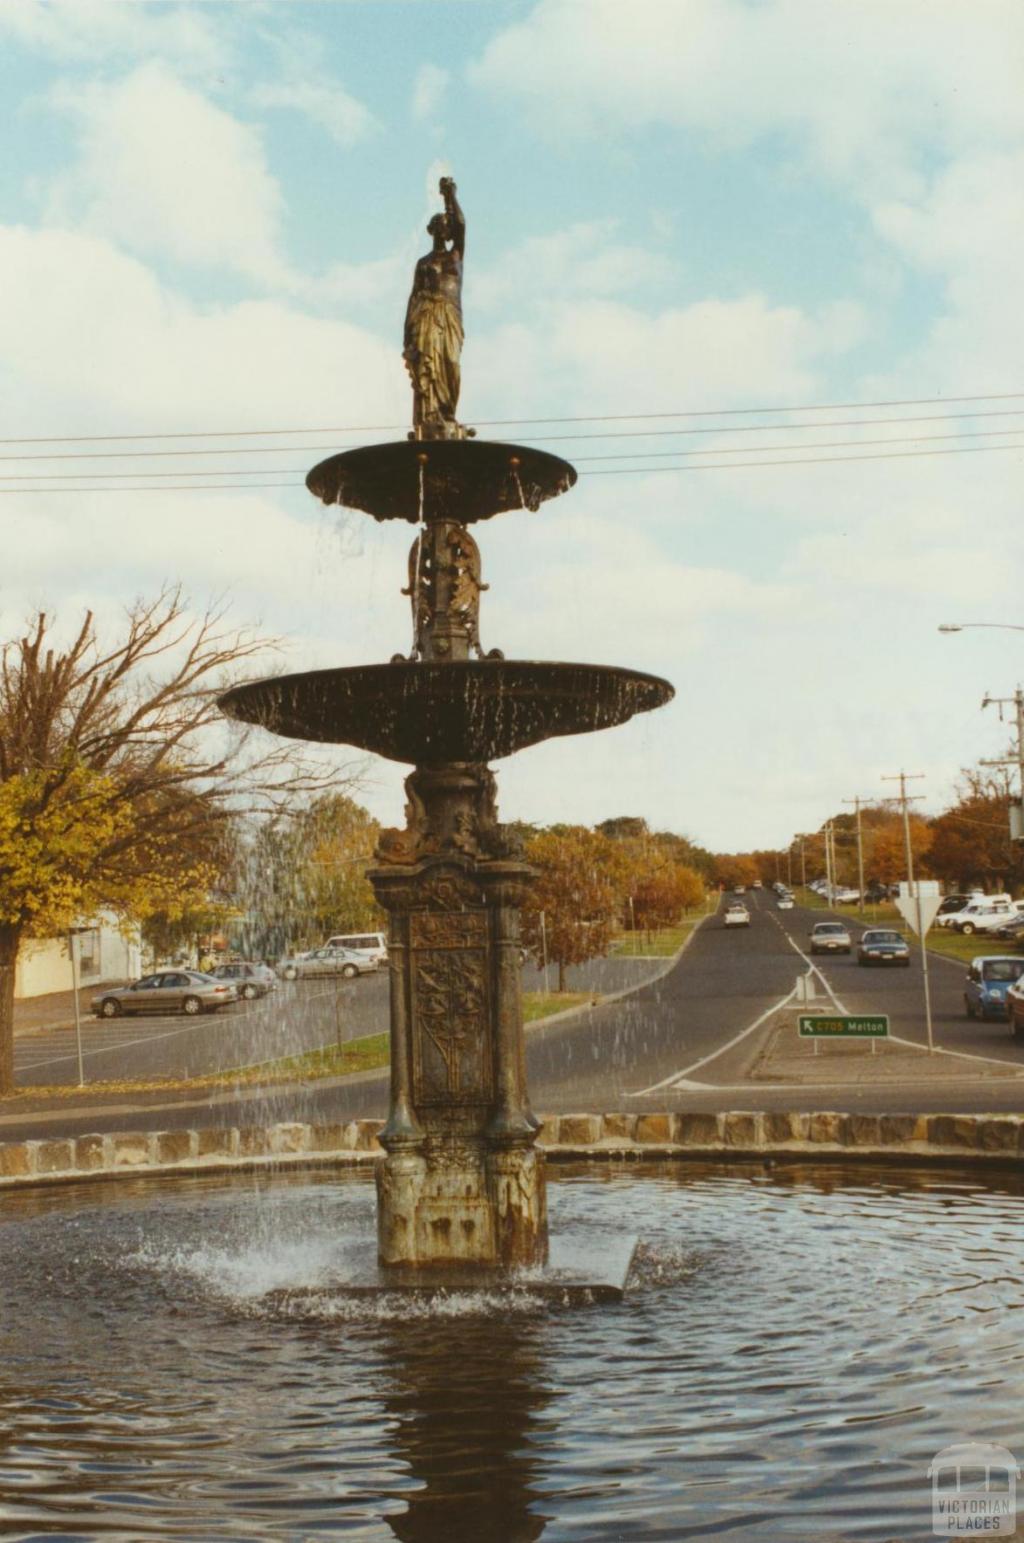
[828, 861]
[915, 894]
[860, 852]
[1017, 703]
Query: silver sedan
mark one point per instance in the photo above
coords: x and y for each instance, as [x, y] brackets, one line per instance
[327, 961]
[169, 991]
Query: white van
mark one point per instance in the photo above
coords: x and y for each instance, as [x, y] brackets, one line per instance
[978, 913]
[373, 944]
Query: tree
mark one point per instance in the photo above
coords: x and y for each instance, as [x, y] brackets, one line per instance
[971, 840]
[661, 897]
[305, 875]
[117, 773]
[577, 892]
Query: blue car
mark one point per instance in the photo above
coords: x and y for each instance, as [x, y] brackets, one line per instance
[988, 980]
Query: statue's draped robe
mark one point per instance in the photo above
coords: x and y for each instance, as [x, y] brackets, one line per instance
[433, 350]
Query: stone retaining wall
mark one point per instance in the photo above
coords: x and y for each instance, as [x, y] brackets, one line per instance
[941, 1137]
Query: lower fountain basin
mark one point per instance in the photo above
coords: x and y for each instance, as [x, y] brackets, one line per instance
[793, 1349]
[428, 713]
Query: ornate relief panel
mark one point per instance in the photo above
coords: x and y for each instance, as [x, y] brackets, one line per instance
[450, 1007]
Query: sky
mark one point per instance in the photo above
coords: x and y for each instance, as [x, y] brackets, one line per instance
[680, 213]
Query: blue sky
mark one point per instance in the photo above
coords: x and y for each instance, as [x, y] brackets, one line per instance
[209, 216]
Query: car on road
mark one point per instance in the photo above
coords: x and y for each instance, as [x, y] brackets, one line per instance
[785, 902]
[830, 938]
[326, 961]
[168, 991]
[739, 889]
[1015, 1007]
[988, 983]
[737, 916]
[883, 945]
[249, 979]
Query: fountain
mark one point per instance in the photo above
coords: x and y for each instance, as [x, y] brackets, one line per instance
[462, 1184]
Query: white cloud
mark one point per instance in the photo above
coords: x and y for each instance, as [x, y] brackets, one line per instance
[581, 261]
[428, 91]
[867, 93]
[343, 116]
[96, 29]
[162, 170]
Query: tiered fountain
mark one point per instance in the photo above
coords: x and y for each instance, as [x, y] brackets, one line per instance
[462, 1184]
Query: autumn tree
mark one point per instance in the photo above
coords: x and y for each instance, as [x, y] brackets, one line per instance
[117, 773]
[971, 840]
[305, 875]
[578, 893]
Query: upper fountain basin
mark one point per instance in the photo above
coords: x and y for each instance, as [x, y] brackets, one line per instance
[463, 479]
[431, 713]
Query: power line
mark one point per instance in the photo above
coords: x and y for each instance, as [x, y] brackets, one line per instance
[754, 428]
[621, 471]
[400, 428]
[634, 455]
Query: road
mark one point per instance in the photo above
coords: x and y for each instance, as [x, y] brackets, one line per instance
[659, 1047]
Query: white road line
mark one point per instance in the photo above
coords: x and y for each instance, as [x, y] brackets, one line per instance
[677, 1078]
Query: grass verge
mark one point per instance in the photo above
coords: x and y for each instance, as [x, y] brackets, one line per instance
[661, 944]
[369, 1053]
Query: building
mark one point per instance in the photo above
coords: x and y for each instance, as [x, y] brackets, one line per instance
[103, 951]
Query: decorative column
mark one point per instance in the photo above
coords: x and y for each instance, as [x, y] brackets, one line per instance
[462, 1181]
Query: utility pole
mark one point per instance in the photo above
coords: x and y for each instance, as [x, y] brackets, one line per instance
[915, 894]
[1017, 703]
[860, 852]
[803, 864]
[828, 860]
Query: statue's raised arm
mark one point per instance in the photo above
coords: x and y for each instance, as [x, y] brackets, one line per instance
[433, 324]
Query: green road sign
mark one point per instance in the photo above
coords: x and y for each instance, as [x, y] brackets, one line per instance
[820, 1027]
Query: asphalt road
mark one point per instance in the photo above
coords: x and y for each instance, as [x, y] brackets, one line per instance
[656, 1048]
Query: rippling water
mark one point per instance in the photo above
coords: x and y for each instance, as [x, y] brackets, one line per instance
[793, 1350]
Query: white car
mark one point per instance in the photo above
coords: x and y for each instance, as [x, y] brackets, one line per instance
[737, 916]
[979, 916]
[785, 902]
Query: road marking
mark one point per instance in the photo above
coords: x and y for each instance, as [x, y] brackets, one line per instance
[677, 1079]
[124, 1044]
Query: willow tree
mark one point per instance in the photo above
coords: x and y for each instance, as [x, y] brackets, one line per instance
[117, 773]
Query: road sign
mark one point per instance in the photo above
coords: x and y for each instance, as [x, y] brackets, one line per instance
[929, 910]
[819, 1026]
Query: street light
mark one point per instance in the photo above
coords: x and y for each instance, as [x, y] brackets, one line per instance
[958, 626]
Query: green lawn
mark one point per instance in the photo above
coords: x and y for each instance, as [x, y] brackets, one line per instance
[655, 945]
[875, 915]
[541, 1004]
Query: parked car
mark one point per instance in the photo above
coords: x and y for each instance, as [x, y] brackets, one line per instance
[250, 980]
[830, 938]
[979, 916]
[1011, 930]
[988, 983]
[326, 961]
[953, 903]
[168, 991]
[737, 916]
[883, 945]
[372, 943]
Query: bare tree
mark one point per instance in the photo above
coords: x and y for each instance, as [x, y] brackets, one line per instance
[117, 772]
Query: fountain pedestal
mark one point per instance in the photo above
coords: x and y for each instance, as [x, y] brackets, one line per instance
[462, 1181]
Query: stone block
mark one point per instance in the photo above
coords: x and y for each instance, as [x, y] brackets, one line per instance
[576, 1130]
[654, 1129]
[897, 1129]
[328, 1138]
[740, 1129]
[253, 1141]
[131, 1151]
[90, 1153]
[826, 1128]
[863, 1130]
[618, 1127]
[175, 1146]
[56, 1156]
[214, 1142]
[779, 1126]
[291, 1137]
[953, 1130]
[999, 1134]
[696, 1129]
[15, 1160]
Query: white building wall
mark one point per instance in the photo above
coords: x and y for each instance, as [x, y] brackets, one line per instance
[104, 954]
